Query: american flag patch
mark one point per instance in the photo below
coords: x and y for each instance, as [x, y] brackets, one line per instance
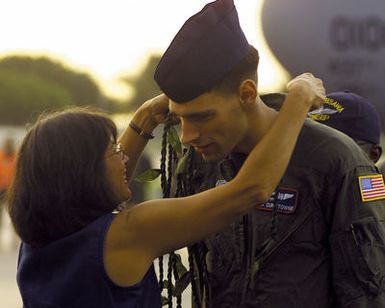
[372, 187]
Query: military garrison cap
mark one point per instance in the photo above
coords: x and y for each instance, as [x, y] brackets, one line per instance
[351, 114]
[206, 48]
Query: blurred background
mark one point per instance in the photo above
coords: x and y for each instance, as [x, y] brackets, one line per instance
[103, 53]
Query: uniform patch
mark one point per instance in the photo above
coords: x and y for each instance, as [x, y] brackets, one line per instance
[287, 201]
[371, 187]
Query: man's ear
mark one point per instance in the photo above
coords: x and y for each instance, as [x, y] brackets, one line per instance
[375, 153]
[247, 91]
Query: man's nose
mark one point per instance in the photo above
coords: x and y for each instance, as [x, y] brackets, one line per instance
[189, 133]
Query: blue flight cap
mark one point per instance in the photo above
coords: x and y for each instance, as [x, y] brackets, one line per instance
[206, 48]
[351, 114]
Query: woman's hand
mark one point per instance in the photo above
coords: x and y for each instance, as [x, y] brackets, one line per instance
[310, 86]
[156, 109]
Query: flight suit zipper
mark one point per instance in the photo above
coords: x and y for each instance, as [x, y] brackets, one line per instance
[271, 247]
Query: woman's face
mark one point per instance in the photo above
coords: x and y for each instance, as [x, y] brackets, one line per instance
[116, 172]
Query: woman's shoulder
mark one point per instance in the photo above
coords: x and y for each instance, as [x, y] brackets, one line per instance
[125, 262]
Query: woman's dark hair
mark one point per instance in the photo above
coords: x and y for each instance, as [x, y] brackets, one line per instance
[245, 69]
[60, 185]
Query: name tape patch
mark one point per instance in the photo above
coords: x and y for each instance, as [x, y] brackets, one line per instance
[286, 203]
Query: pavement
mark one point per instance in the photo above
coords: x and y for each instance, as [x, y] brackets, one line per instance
[9, 293]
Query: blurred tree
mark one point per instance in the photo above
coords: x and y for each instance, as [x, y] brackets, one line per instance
[29, 85]
[24, 95]
[82, 88]
[143, 85]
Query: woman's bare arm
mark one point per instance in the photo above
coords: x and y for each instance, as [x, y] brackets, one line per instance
[146, 118]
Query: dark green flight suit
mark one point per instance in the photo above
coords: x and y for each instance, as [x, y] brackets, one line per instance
[329, 248]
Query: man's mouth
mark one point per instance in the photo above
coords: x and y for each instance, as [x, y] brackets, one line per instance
[202, 149]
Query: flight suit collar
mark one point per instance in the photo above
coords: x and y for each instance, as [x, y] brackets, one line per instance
[230, 166]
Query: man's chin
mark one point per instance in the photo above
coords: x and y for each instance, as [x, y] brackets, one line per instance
[212, 157]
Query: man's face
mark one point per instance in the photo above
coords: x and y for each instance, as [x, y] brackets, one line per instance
[213, 124]
[373, 151]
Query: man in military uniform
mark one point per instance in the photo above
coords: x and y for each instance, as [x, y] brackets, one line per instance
[347, 112]
[355, 116]
[319, 241]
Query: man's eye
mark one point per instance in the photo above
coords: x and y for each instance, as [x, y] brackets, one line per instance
[201, 118]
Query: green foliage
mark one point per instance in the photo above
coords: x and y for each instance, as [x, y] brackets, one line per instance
[29, 85]
[165, 300]
[183, 156]
[182, 280]
[256, 266]
[182, 164]
[183, 276]
[173, 139]
[148, 176]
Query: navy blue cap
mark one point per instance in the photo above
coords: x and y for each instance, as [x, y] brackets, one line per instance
[206, 48]
[351, 114]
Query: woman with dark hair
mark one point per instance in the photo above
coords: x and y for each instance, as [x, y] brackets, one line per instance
[71, 174]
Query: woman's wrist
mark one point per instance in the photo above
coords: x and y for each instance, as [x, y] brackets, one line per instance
[308, 90]
[149, 115]
[146, 135]
[301, 94]
[142, 123]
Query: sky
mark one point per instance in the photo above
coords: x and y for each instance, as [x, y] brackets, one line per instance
[110, 39]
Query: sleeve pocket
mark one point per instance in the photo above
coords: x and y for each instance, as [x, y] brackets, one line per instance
[358, 257]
